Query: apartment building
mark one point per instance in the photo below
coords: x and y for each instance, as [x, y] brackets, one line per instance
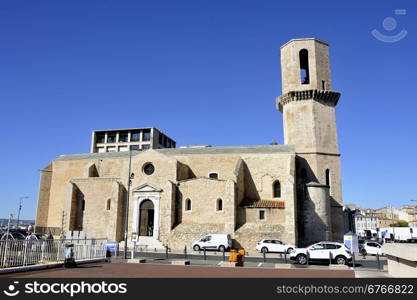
[118, 140]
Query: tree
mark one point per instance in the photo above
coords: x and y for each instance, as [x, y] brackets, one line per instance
[399, 224]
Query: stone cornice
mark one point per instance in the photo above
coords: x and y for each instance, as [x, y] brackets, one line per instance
[329, 98]
[318, 153]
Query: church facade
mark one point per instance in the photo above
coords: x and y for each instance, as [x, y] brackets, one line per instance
[173, 196]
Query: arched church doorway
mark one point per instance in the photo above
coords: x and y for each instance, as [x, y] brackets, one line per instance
[146, 218]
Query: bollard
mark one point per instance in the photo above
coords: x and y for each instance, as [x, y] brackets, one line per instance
[308, 257]
[205, 257]
[330, 258]
[132, 253]
[42, 249]
[378, 261]
[224, 256]
[353, 259]
[264, 255]
[185, 252]
[285, 257]
[166, 251]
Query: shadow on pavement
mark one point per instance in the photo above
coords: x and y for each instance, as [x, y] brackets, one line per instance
[88, 267]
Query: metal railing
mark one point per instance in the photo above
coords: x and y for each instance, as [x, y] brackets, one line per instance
[15, 253]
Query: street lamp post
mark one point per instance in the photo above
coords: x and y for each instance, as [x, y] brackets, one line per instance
[414, 209]
[129, 182]
[7, 240]
[20, 208]
[392, 222]
[8, 226]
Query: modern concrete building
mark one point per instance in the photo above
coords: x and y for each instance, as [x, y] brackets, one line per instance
[118, 140]
[290, 192]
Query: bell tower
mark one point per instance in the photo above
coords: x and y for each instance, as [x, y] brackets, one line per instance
[308, 107]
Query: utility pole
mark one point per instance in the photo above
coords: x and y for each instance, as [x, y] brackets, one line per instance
[414, 210]
[20, 208]
[5, 255]
[8, 226]
[392, 223]
[62, 224]
[129, 182]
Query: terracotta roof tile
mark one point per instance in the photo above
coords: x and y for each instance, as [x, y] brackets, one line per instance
[248, 203]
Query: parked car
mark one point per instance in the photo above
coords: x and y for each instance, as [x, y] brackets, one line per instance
[372, 248]
[221, 242]
[39, 236]
[322, 251]
[271, 245]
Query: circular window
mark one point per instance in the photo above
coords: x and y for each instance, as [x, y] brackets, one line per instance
[148, 169]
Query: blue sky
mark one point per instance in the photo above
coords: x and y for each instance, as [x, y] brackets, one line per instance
[204, 72]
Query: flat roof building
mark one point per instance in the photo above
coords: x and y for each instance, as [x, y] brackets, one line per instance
[118, 140]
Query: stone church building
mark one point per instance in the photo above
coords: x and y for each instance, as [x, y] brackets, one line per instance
[291, 192]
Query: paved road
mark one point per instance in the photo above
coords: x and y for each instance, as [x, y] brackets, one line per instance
[161, 270]
[370, 262]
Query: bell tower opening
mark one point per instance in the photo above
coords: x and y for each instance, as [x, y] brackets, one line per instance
[304, 69]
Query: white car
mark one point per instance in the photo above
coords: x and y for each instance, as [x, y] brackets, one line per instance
[372, 248]
[215, 241]
[322, 251]
[272, 245]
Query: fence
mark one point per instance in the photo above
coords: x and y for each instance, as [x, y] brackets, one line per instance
[15, 253]
[253, 258]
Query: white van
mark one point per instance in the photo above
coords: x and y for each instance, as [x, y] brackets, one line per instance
[217, 241]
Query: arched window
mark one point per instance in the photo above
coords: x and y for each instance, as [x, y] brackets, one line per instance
[187, 204]
[108, 204]
[277, 189]
[219, 205]
[304, 70]
[214, 175]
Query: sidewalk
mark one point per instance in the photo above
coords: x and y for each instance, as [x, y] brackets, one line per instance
[150, 270]
[359, 271]
[371, 274]
[370, 262]
[48, 265]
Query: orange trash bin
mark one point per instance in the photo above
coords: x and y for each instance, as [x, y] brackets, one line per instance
[233, 255]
